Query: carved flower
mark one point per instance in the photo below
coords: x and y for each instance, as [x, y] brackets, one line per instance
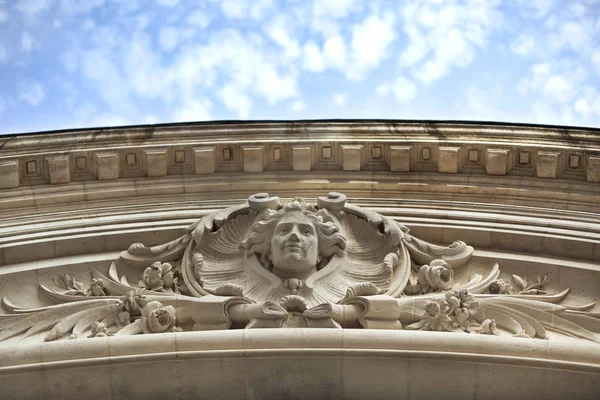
[434, 318]
[462, 308]
[157, 318]
[99, 329]
[438, 275]
[124, 319]
[488, 327]
[158, 276]
[97, 287]
[499, 286]
[133, 302]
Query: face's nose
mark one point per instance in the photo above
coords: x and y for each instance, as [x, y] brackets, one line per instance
[294, 234]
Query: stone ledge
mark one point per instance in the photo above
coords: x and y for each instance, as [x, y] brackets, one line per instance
[323, 363]
[402, 147]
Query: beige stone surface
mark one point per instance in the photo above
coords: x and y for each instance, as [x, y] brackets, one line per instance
[302, 158]
[497, 160]
[253, 159]
[204, 160]
[532, 217]
[156, 162]
[400, 158]
[448, 160]
[58, 169]
[108, 166]
[547, 164]
[9, 174]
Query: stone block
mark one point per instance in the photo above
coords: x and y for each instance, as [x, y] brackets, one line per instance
[448, 160]
[497, 162]
[204, 160]
[301, 158]
[593, 169]
[351, 157]
[547, 164]
[58, 169]
[400, 158]
[253, 159]
[9, 174]
[108, 166]
[156, 162]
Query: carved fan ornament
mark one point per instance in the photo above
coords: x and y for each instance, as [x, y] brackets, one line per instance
[264, 264]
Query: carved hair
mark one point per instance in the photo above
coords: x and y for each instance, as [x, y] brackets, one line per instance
[331, 240]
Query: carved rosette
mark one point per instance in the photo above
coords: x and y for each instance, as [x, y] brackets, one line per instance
[273, 264]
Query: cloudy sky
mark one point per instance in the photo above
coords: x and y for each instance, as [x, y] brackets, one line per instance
[84, 63]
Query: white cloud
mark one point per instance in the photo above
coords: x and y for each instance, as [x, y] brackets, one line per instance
[559, 81]
[32, 92]
[383, 89]
[97, 68]
[370, 42]
[259, 8]
[595, 58]
[3, 16]
[168, 3]
[339, 99]
[541, 8]
[193, 110]
[335, 51]
[26, 42]
[274, 86]
[336, 8]
[312, 58]
[31, 8]
[168, 38]
[524, 44]
[278, 31]
[444, 37]
[234, 9]
[540, 72]
[588, 103]
[560, 88]
[404, 90]
[235, 100]
[298, 106]
[417, 47]
[198, 19]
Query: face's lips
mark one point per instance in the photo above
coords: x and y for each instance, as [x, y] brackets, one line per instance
[292, 246]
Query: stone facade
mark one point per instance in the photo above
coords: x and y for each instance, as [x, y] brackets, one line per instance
[301, 260]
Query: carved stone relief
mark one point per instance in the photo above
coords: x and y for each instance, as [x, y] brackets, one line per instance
[267, 264]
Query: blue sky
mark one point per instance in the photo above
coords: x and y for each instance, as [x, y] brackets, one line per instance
[85, 63]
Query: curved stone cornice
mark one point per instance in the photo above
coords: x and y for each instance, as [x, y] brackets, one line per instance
[349, 146]
[304, 364]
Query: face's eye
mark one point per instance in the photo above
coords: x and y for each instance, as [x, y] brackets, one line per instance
[283, 229]
[307, 231]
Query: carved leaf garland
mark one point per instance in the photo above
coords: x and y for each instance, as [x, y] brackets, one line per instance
[205, 280]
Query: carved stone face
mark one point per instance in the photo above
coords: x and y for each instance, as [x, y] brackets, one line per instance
[294, 247]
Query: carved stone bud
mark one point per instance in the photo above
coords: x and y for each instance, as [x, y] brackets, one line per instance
[99, 329]
[97, 287]
[157, 318]
[488, 327]
[499, 286]
[438, 275]
[158, 276]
